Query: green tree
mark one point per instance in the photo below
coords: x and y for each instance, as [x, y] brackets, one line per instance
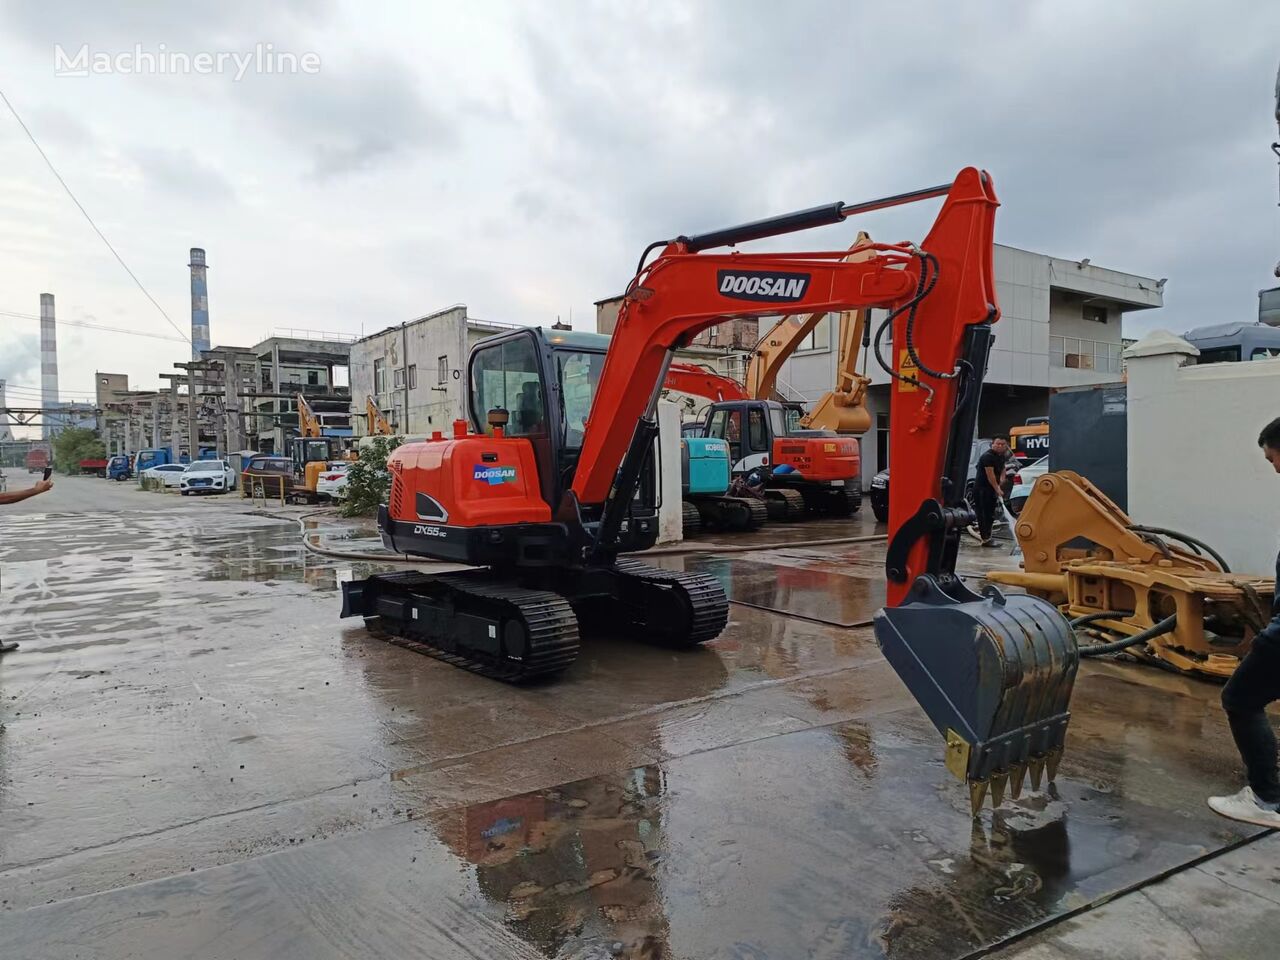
[75, 444]
[368, 480]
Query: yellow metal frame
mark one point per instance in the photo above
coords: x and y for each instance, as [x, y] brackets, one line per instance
[1081, 552]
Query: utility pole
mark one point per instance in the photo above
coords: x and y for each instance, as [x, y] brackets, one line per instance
[175, 430]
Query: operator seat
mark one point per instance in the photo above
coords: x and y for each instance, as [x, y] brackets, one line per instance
[529, 408]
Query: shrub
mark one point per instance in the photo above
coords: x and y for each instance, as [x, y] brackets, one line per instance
[368, 480]
[75, 444]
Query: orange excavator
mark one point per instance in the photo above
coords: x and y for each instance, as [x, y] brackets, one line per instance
[547, 508]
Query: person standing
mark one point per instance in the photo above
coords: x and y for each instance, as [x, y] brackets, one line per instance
[1254, 684]
[988, 488]
[16, 496]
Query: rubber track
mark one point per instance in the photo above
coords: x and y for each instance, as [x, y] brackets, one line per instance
[550, 621]
[759, 514]
[796, 507]
[704, 592]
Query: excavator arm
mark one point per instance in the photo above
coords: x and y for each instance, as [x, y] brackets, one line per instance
[783, 339]
[844, 409]
[698, 381]
[308, 422]
[376, 423]
[993, 673]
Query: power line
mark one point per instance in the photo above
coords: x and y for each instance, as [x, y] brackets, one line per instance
[101, 235]
[94, 326]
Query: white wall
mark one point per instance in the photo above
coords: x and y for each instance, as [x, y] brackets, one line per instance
[1194, 462]
[671, 513]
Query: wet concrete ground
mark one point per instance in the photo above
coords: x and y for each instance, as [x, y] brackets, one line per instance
[200, 760]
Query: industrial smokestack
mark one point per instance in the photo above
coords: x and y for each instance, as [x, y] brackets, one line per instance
[48, 365]
[199, 304]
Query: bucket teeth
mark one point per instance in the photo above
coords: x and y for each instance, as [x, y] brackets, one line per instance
[977, 793]
[1051, 764]
[1037, 772]
[1017, 773]
[998, 782]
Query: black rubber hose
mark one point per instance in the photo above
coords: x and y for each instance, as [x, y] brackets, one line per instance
[1166, 625]
[1185, 538]
[1104, 615]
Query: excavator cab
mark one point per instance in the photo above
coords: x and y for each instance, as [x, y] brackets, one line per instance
[546, 380]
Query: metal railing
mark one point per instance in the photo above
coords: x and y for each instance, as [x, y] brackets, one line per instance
[1077, 353]
[295, 333]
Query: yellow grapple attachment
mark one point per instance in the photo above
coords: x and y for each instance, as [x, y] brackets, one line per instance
[994, 674]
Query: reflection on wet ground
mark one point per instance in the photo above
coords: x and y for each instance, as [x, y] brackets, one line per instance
[187, 700]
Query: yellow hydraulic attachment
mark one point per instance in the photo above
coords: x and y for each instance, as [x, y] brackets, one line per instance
[376, 423]
[1085, 554]
[842, 409]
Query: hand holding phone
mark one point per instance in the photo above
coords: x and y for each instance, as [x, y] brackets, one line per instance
[48, 472]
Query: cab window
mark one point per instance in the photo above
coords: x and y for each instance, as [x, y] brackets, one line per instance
[755, 425]
[579, 375]
[506, 375]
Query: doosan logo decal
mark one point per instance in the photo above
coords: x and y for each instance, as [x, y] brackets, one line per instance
[494, 475]
[759, 285]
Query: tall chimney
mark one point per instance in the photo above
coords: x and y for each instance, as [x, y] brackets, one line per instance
[199, 304]
[48, 365]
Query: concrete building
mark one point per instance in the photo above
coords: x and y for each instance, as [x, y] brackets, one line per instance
[416, 370]
[311, 363]
[1061, 326]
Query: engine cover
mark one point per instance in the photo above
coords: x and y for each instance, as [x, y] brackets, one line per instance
[468, 481]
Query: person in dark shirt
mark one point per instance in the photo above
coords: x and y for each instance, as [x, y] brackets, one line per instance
[1254, 684]
[987, 489]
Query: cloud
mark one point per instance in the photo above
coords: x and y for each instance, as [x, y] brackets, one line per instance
[20, 360]
[179, 173]
[348, 120]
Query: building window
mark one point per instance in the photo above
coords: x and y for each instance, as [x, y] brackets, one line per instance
[442, 369]
[413, 376]
[1096, 314]
[398, 376]
[819, 338]
[380, 376]
[313, 378]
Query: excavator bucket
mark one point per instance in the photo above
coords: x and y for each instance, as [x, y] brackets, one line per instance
[993, 673]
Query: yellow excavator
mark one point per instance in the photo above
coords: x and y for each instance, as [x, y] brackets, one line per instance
[311, 451]
[841, 409]
[376, 422]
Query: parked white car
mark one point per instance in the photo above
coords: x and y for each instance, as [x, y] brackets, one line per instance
[1024, 481]
[333, 482]
[170, 474]
[207, 476]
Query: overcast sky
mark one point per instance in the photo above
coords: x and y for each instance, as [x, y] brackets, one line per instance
[517, 157]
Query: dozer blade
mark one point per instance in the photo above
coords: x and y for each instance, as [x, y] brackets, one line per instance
[993, 673]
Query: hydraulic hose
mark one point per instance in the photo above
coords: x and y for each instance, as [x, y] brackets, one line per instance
[1166, 625]
[1185, 538]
